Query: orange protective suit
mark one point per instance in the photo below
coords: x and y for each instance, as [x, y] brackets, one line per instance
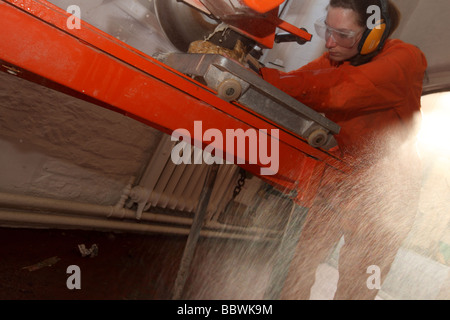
[374, 206]
[364, 100]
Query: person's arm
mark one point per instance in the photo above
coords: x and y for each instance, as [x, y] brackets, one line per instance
[290, 82]
[370, 87]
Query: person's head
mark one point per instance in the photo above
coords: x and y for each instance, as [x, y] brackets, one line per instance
[346, 22]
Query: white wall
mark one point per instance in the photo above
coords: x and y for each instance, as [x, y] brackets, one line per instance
[56, 146]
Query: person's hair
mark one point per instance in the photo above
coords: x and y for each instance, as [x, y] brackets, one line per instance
[360, 7]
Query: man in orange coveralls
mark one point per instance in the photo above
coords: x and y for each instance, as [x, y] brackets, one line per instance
[374, 95]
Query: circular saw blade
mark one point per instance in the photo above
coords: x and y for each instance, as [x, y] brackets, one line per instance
[183, 24]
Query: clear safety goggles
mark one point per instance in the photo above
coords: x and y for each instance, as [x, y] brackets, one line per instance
[345, 39]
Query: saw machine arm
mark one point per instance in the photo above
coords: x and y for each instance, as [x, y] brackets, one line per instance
[255, 19]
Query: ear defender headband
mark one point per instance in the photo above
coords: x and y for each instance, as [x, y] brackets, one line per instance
[373, 39]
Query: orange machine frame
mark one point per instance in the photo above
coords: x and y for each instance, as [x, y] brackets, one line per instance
[36, 44]
[263, 6]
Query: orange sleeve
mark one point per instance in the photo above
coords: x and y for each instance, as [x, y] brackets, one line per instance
[377, 85]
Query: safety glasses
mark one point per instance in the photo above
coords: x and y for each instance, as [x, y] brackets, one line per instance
[345, 39]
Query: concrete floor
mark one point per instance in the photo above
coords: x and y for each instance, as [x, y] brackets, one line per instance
[144, 267]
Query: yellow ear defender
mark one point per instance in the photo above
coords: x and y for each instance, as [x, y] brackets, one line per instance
[374, 39]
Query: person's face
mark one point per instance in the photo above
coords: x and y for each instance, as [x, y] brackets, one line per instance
[342, 23]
